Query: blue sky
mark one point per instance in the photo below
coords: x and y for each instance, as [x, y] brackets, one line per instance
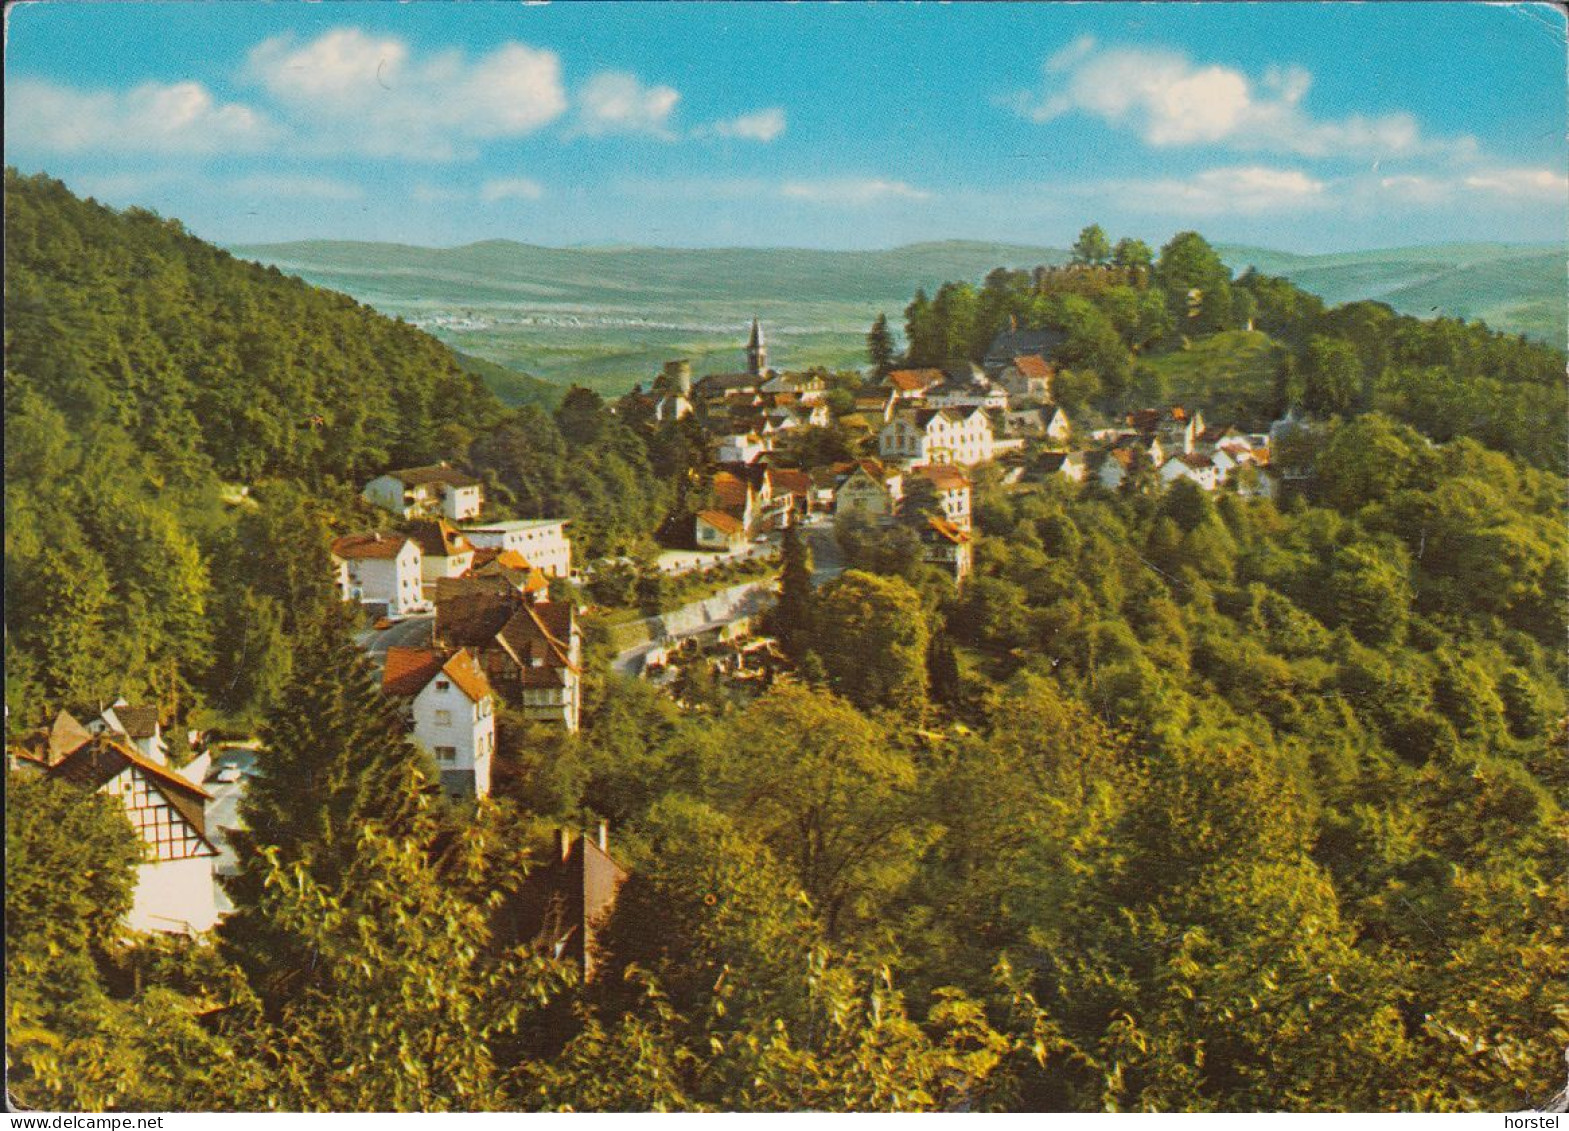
[1305, 127]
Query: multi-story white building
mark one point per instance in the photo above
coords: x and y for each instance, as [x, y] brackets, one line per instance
[439, 489]
[542, 542]
[379, 567]
[451, 711]
[946, 435]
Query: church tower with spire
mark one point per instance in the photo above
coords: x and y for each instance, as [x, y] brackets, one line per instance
[756, 352]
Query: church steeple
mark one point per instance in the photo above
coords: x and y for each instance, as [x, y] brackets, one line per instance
[756, 351]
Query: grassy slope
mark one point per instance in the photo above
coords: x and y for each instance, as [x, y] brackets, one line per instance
[610, 316]
[1232, 374]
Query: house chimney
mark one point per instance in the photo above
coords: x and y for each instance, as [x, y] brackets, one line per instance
[604, 836]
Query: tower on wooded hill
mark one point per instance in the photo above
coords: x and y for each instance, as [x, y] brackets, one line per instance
[756, 351]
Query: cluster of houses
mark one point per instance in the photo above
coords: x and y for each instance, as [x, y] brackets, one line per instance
[1172, 443]
[471, 612]
[395, 571]
[926, 426]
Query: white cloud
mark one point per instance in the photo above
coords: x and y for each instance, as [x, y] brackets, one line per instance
[1415, 189]
[1503, 185]
[1169, 100]
[173, 118]
[616, 102]
[761, 125]
[511, 188]
[1521, 184]
[1248, 190]
[852, 191]
[349, 91]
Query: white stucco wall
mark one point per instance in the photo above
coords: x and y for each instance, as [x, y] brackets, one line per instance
[386, 492]
[174, 895]
[544, 544]
[468, 728]
[462, 502]
[393, 580]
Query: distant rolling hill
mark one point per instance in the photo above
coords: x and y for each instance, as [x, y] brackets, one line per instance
[608, 317]
[1517, 288]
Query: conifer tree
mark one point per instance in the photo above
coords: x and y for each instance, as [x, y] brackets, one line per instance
[942, 670]
[879, 347]
[792, 617]
[333, 759]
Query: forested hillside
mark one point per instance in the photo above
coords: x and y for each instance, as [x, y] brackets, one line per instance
[1144, 329]
[1183, 801]
[185, 430]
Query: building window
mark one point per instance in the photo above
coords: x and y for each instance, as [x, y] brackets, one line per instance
[446, 753]
[442, 685]
[443, 718]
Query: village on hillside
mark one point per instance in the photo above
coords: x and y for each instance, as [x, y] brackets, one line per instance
[466, 612]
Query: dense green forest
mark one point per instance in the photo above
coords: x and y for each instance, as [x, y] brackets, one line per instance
[184, 434]
[1182, 802]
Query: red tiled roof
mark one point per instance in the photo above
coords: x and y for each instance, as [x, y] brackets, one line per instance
[507, 559]
[408, 670]
[1034, 366]
[722, 522]
[943, 476]
[789, 481]
[468, 675]
[730, 491]
[355, 547]
[914, 380]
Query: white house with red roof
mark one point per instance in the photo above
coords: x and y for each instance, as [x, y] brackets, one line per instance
[718, 530]
[1191, 465]
[912, 384]
[380, 568]
[1028, 377]
[452, 711]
